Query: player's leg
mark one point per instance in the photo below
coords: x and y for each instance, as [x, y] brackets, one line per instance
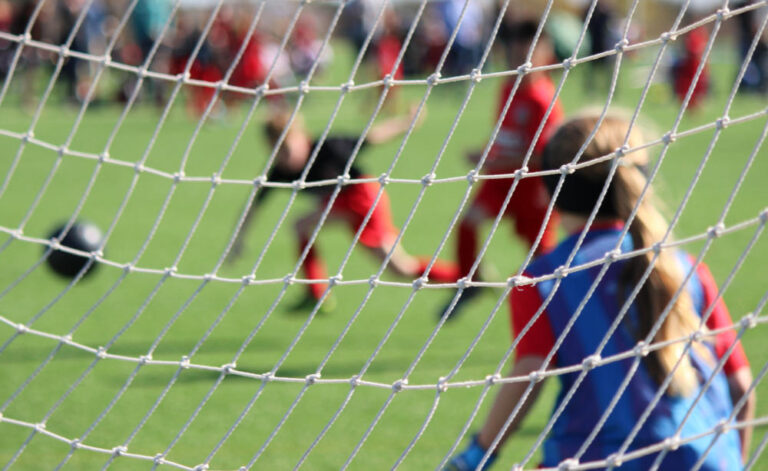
[379, 234]
[312, 265]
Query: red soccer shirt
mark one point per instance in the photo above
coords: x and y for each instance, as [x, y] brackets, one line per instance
[524, 116]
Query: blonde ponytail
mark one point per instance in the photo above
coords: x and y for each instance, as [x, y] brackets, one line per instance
[647, 228]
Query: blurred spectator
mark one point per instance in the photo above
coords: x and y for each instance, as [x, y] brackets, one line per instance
[694, 43]
[468, 45]
[603, 36]
[756, 76]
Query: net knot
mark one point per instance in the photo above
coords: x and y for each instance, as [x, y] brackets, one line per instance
[613, 255]
[476, 75]
[144, 359]
[104, 156]
[696, 336]
[118, 450]
[342, 179]
[749, 321]
[303, 87]
[433, 79]
[128, 268]
[567, 169]
[535, 376]
[354, 381]
[106, 60]
[334, 280]
[523, 68]
[568, 464]
[472, 176]
[442, 384]
[621, 45]
[641, 349]
[419, 283]
[178, 176]
[398, 385]
[568, 63]
[267, 377]
[668, 138]
[428, 179]
[723, 122]
[560, 272]
[248, 279]
[159, 459]
[299, 184]
[184, 363]
[520, 173]
[311, 379]
[667, 37]
[101, 353]
[227, 368]
[40, 426]
[201, 467]
[259, 181]
[673, 443]
[722, 13]
[75, 443]
[383, 179]
[64, 50]
[62, 150]
[347, 85]
[388, 81]
[170, 271]
[614, 461]
[764, 216]
[289, 279]
[622, 151]
[26, 137]
[215, 179]
[715, 231]
[138, 167]
[21, 329]
[591, 361]
[722, 427]
[490, 380]
[656, 247]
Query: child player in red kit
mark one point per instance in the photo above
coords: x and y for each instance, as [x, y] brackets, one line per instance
[351, 206]
[528, 205]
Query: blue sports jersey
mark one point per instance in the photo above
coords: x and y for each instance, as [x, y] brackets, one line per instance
[598, 388]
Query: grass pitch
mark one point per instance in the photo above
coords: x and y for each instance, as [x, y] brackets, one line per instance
[279, 421]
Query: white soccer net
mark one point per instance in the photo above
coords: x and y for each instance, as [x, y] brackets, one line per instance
[167, 357]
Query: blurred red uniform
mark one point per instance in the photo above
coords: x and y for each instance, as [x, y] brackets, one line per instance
[684, 71]
[530, 199]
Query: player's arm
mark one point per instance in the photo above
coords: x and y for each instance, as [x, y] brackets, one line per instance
[237, 246]
[393, 127]
[736, 366]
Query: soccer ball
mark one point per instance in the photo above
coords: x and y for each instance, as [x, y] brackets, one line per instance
[82, 236]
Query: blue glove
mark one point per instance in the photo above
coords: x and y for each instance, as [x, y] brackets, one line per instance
[469, 459]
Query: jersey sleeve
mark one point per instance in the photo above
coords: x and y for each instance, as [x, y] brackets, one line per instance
[720, 318]
[539, 340]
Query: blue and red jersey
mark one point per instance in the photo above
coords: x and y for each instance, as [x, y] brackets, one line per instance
[592, 397]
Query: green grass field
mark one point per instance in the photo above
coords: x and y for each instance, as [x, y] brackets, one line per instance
[176, 313]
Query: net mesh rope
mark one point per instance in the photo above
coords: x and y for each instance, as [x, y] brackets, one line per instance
[262, 380]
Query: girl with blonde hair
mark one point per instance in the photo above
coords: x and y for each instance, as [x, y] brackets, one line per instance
[641, 297]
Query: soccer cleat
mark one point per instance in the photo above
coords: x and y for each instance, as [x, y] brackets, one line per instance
[308, 302]
[467, 295]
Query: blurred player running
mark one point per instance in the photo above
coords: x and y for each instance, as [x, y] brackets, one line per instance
[529, 201]
[351, 205]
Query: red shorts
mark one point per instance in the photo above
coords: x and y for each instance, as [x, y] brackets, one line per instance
[527, 206]
[353, 203]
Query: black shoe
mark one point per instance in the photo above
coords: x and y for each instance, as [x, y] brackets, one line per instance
[308, 302]
[466, 295]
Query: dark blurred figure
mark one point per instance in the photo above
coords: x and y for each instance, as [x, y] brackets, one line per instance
[468, 45]
[75, 72]
[147, 22]
[756, 76]
[694, 44]
[602, 37]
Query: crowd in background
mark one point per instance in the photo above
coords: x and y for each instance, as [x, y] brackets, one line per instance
[167, 40]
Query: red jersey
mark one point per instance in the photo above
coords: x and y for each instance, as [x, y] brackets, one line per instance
[525, 114]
